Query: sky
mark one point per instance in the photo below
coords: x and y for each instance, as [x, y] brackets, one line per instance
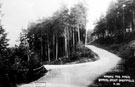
[19, 13]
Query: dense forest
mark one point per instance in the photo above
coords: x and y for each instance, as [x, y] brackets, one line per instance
[118, 23]
[115, 32]
[57, 39]
[61, 38]
[58, 36]
[117, 27]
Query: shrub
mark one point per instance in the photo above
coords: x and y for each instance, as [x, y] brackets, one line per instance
[19, 66]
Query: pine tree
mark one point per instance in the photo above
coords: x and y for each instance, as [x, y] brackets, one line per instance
[3, 39]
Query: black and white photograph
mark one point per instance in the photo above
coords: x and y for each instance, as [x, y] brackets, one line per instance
[67, 43]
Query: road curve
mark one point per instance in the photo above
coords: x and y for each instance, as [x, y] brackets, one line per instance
[77, 75]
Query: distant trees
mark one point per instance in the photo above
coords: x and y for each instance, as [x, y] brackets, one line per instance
[3, 42]
[118, 22]
[3, 39]
[57, 36]
[78, 14]
[4, 64]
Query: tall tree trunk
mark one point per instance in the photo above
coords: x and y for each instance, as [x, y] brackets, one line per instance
[78, 35]
[41, 48]
[73, 39]
[49, 53]
[48, 49]
[68, 46]
[86, 37]
[133, 21]
[56, 46]
[66, 50]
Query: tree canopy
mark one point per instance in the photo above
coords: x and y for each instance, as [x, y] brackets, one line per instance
[56, 36]
[118, 21]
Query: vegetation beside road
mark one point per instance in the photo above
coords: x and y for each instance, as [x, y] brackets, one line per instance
[125, 50]
[82, 55]
[58, 39]
[115, 32]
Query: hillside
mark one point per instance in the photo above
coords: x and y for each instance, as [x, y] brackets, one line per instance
[125, 49]
[77, 75]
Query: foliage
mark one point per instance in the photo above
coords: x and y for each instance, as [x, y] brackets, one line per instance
[56, 36]
[4, 64]
[82, 55]
[116, 30]
[20, 65]
[117, 23]
[52, 39]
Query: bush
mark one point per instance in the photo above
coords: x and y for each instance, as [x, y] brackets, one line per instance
[80, 53]
[19, 67]
[84, 52]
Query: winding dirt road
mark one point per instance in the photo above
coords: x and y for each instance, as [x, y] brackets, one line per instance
[77, 75]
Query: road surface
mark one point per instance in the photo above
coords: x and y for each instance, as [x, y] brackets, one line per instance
[77, 75]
